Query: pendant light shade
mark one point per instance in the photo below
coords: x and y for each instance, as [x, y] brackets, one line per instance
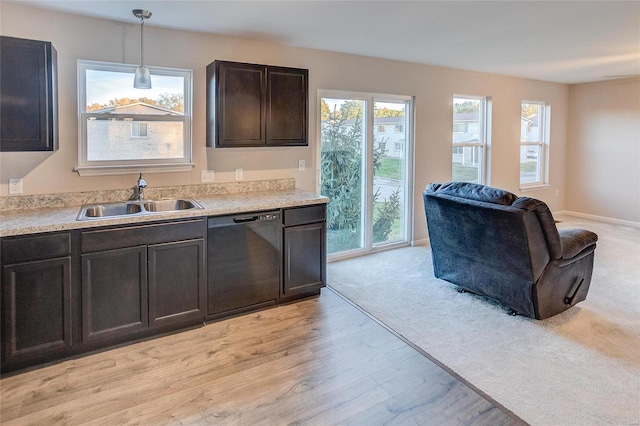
[142, 78]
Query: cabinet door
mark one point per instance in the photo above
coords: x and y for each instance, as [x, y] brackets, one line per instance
[28, 120]
[287, 106]
[239, 104]
[304, 258]
[36, 306]
[114, 293]
[177, 282]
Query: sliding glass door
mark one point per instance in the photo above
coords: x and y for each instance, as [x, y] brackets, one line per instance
[365, 157]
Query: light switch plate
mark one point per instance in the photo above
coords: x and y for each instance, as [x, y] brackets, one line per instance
[238, 174]
[301, 165]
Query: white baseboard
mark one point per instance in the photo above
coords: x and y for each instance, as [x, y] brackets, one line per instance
[599, 218]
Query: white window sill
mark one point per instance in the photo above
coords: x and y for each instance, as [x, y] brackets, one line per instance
[535, 187]
[130, 169]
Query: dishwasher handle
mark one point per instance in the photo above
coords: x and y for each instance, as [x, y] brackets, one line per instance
[220, 221]
[245, 219]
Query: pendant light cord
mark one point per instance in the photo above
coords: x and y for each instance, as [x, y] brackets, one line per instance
[141, 41]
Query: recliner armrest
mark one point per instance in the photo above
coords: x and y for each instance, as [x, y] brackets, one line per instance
[575, 241]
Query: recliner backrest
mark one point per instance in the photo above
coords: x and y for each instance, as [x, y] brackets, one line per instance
[474, 191]
[547, 223]
[477, 192]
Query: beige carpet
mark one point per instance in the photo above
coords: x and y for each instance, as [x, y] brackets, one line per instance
[581, 367]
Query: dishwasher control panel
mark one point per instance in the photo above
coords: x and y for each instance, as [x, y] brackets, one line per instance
[269, 216]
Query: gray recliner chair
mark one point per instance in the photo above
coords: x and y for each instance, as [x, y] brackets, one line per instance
[491, 242]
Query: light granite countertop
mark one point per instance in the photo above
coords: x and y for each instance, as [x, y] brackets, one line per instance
[30, 221]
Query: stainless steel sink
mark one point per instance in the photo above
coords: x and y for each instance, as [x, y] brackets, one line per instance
[111, 209]
[170, 205]
[136, 208]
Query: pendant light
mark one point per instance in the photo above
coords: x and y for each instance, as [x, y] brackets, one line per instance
[142, 79]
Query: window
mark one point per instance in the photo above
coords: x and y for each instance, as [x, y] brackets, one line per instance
[126, 130]
[398, 146]
[139, 130]
[381, 129]
[470, 136]
[399, 128]
[534, 119]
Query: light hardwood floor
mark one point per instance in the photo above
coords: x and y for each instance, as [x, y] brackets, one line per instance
[320, 361]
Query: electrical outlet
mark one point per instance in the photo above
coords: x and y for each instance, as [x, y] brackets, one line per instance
[238, 174]
[15, 185]
[301, 165]
[206, 176]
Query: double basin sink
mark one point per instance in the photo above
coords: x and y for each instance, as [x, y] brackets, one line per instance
[136, 208]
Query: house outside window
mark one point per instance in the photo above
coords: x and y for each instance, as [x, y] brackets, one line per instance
[534, 140]
[470, 138]
[386, 135]
[126, 130]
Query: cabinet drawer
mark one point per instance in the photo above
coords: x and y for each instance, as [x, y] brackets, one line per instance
[113, 238]
[35, 247]
[302, 215]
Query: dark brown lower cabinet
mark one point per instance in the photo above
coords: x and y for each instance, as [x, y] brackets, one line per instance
[114, 293]
[176, 277]
[36, 289]
[36, 305]
[152, 277]
[304, 250]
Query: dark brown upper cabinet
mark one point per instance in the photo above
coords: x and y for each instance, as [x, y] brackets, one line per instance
[251, 105]
[28, 95]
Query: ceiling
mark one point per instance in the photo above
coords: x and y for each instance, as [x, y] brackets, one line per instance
[559, 41]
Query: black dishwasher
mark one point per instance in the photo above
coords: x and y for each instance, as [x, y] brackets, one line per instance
[243, 261]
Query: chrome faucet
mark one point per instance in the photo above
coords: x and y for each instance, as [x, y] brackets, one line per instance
[138, 190]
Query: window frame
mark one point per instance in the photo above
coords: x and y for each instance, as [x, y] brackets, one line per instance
[542, 162]
[485, 136]
[88, 167]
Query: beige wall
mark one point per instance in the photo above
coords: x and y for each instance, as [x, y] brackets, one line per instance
[433, 87]
[603, 153]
